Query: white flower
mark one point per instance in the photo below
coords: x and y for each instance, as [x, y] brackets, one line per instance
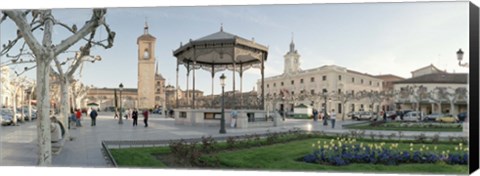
[411, 144]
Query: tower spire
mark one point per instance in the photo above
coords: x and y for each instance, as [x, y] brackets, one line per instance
[145, 29]
[221, 27]
[292, 45]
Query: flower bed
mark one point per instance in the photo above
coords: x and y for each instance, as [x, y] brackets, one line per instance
[342, 152]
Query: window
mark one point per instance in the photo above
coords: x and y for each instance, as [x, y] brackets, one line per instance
[339, 91]
[301, 81]
[312, 91]
[361, 81]
[302, 91]
[275, 94]
[370, 82]
[268, 86]
[293, 93]
[293, 82]
[158, 90]
[157, 98]
[158, 83]
[324, 90]
[378, 84]
[281, 83]
[324, 78]
[353, 92]
[274, 84]
[339, 77]
[312, 79]
[353, 80]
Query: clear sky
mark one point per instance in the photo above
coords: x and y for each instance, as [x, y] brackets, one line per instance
[374, 38]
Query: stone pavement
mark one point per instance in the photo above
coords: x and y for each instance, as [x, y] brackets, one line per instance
[86, 151]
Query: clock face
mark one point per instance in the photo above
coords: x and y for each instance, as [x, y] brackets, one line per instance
[146, 54]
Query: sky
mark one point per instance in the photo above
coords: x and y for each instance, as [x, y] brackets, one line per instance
[373, 38]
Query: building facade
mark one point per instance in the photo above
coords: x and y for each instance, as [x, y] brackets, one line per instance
[433, 92]
[314, 87]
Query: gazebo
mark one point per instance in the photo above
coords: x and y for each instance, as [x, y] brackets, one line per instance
[218, 52]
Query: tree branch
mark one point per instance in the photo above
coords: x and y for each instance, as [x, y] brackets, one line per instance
[25, 30]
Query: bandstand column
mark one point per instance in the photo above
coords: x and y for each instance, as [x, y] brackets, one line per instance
[176, 88]
[241, 85]
[213, 75]
[263, 80]
[234, 101]
[188, 78]
[193, 79]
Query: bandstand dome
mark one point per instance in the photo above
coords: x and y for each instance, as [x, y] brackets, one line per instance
[221, 51]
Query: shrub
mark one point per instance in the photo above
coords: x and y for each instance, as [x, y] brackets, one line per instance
[435, 138]
[421, 138]
[208, 144]
[231, 141]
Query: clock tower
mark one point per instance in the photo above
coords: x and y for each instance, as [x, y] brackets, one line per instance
[146, 72]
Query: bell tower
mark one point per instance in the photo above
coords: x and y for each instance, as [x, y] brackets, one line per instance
[146, 70]
[291, 60]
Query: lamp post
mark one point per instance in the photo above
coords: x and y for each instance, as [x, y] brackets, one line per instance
[222, 120]
[120, 121]
[465, 122]
[325, 103]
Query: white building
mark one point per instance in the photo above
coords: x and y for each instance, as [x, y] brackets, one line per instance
[297, 86]
[432, 91]
[5, 94]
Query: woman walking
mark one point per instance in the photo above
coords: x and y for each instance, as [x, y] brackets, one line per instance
[135, 117]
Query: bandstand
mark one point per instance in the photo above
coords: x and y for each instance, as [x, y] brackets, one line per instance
[214, 53]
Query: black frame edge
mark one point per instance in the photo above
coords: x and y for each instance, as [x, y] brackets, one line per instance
[473, 116]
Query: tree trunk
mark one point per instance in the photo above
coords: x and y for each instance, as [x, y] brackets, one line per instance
[64, 109]
[15, 120]
[43, 107]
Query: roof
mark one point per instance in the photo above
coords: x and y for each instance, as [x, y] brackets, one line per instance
[218, 36]
[159, 76]
[431, 65]
[445, 78]
[146, 37]
[389, 76]
[301, 106]
[364, 74]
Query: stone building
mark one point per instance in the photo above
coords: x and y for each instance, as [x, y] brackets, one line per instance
[296, 86]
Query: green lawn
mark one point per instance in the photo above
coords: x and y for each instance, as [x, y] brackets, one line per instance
[395, 126]
[284, 157]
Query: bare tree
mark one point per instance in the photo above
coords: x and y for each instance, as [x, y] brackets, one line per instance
[44, 51]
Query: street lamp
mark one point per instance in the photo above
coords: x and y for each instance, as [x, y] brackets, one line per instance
[460, 58]
[465, 122]
[325, 103]
[120, 113]
[222, 120]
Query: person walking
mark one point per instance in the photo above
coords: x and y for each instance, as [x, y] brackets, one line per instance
[93, 116]
[333, 117]
[384, 114]
[145, 117]
[315, 115]
[234, 115]
[135, 117]
[78, 115]
[116, 114]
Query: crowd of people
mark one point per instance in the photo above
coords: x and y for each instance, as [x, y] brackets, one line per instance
[75, 119]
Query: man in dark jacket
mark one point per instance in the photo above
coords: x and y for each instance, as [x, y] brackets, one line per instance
[135, 117]
[93, 115]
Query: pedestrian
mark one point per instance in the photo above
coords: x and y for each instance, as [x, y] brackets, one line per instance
[315, 115]
[55, 130]
[93, 115]
[72, 119]
[233, 114]
[145, 117]
[384, 116]
[333, 117]
[116, 114]
[78, 115]
[325, 118]
[129, 113]
[135, 117]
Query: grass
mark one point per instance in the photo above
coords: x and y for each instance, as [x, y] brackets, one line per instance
[284, 157]
[395, 126]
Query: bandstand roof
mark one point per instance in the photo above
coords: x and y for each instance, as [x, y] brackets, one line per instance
[219, 51]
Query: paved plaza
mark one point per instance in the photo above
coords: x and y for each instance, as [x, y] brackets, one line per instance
[18, 144]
